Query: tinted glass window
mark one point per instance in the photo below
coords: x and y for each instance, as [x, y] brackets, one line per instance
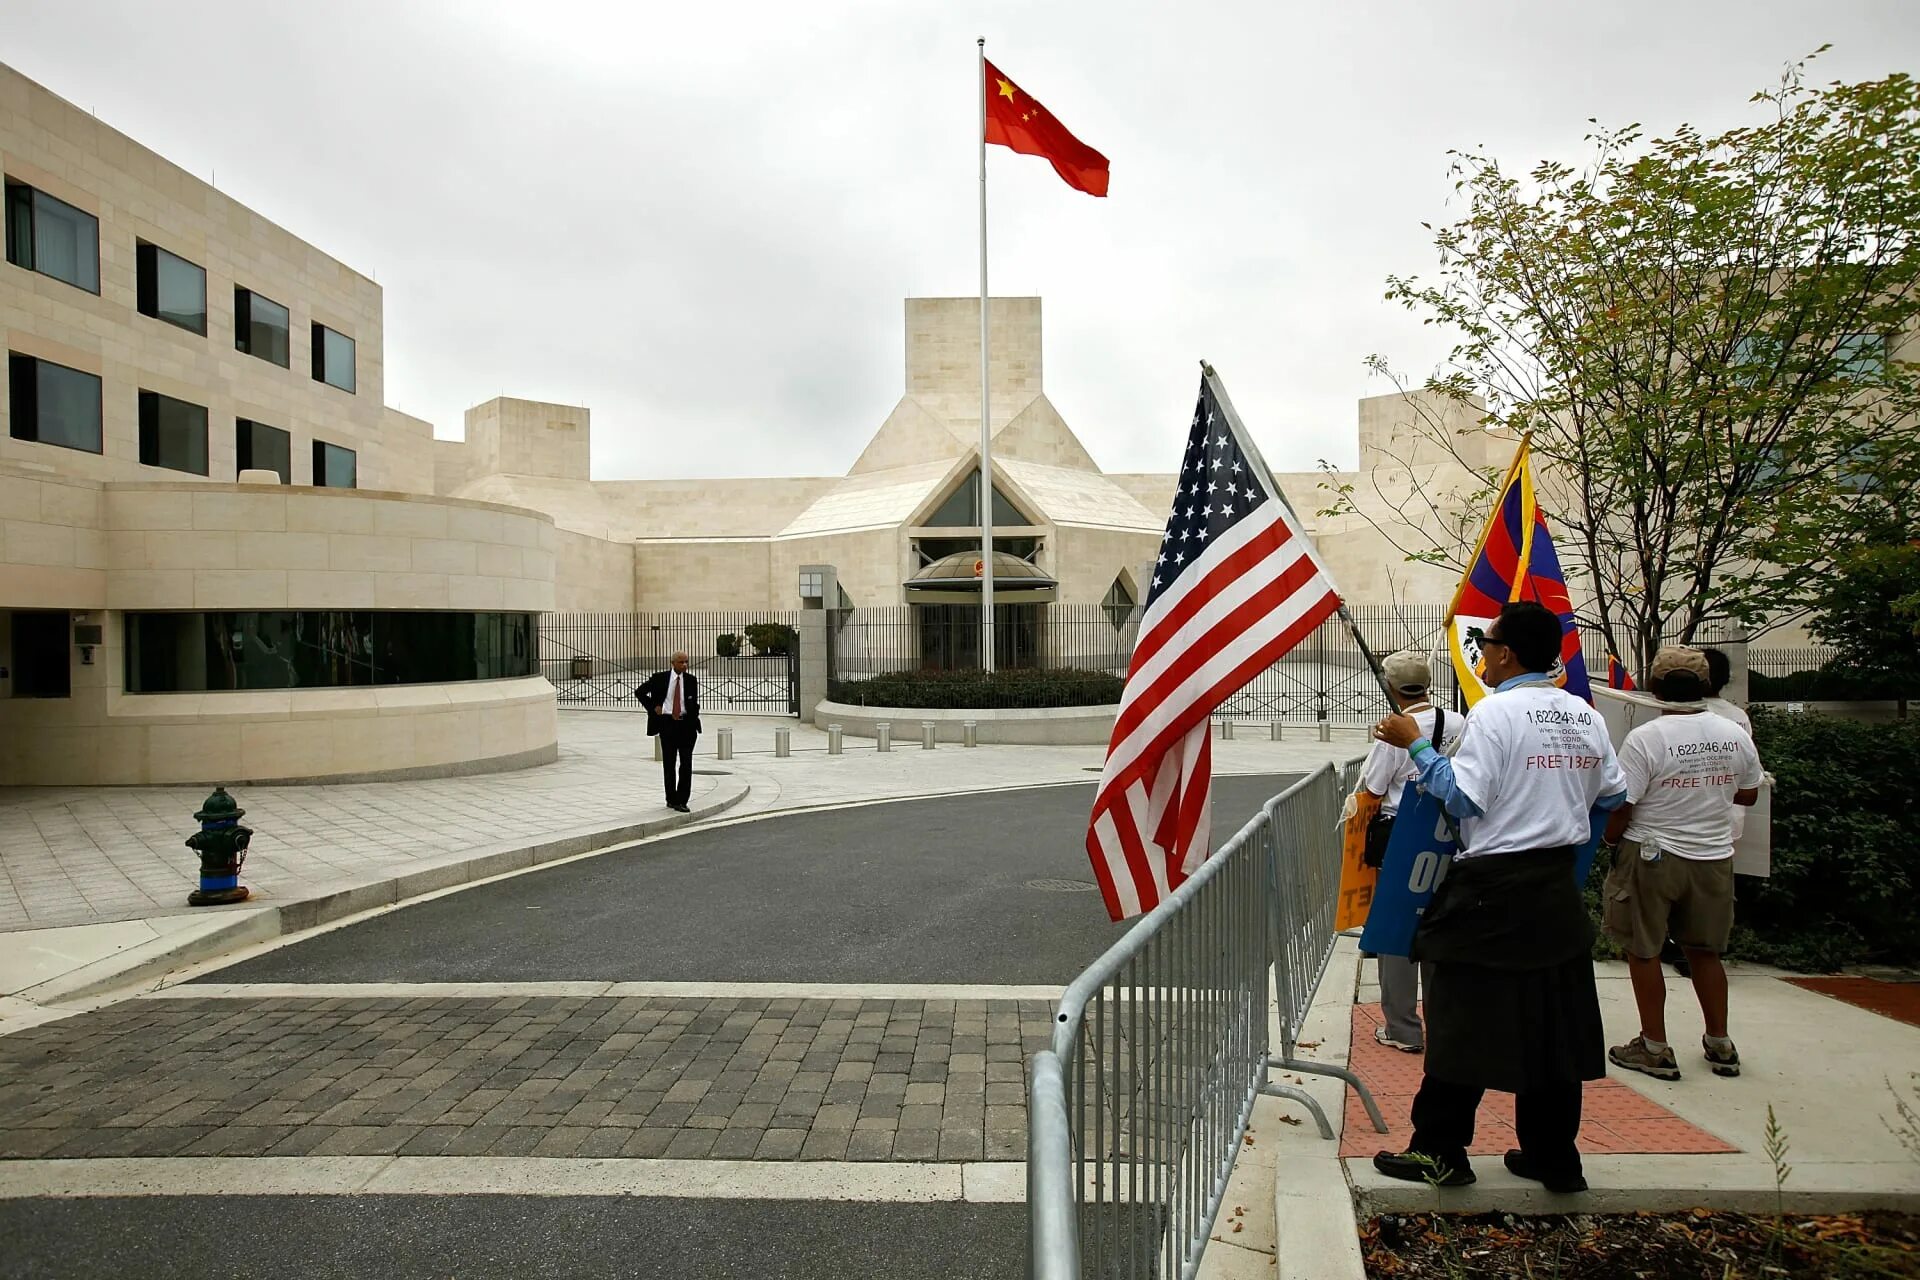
[52, 237]
[332, 358]
[261, 327]
[962, 507]
[333, 467]
[172, 289]
[259, 446]
[317, 649]
[52, 404]
[173, 433]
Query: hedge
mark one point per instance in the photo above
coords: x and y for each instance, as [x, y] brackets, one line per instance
[959, 690]
[1831, 683]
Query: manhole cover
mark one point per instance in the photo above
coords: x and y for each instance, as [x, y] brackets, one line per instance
[1064, 886]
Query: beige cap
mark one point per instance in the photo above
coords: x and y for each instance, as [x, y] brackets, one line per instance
[1408, 672]
[1675, 657]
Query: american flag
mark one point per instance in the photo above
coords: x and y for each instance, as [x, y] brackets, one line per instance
[1235, 586]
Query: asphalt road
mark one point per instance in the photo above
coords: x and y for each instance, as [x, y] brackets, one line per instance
[926, 891]
[526, 1237]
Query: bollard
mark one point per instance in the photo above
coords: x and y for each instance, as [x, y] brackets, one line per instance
[969, 733]
[1226, 731]
[883, 735]
[221, 843]
[927, 730]
[782, 742]
[1273, 731]
[833, 739]
[1326, 731]
[725, 744]
[658, 752]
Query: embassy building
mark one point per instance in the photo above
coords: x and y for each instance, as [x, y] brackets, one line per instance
[224, 558]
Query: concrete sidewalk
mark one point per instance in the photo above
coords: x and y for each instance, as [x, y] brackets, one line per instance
[95, 879]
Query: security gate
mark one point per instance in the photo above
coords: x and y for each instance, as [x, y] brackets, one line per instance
[746, 662]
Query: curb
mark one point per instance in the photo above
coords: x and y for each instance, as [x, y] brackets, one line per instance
[262, 923]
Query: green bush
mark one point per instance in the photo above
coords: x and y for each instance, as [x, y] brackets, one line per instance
[1846, 845]
[726, 645]
[1831, 683]
[1021, 687]
[769, 638]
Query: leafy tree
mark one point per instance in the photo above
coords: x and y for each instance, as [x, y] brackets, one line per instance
[1704, 337]
[1870, 609]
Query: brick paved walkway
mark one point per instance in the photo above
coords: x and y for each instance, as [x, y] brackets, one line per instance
[526, 1075]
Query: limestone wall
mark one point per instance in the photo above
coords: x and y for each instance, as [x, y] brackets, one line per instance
[592, 575]
[53, 554]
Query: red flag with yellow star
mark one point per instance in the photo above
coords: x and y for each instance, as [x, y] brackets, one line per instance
[1015, 120]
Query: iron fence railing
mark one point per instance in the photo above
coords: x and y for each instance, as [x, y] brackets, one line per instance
[600, 659]
[1137, 1109]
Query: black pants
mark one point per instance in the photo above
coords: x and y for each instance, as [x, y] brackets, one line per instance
[1546, 1118]
[676, 761]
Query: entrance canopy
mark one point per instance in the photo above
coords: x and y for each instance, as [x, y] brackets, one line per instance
[955, 579]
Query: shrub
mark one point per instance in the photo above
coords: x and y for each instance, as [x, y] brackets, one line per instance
[769, 638]
[726, 645]
[1021, 687]
[1831, 683]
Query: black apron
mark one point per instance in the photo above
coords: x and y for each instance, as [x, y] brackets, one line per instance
[1513, 1004]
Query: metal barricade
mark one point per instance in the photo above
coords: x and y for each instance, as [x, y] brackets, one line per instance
[1137, 1110]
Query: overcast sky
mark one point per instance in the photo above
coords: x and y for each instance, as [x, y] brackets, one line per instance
[701, 220]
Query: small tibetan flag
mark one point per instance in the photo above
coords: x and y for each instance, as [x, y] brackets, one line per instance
[1015, 120]
[1618, 677]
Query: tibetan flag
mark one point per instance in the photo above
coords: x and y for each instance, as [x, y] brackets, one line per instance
[1015, 120]
[1618, 677]
[1514, 561]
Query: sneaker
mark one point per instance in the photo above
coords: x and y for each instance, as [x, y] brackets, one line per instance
[1414, 1166]
[1635, 1056]
[1380, 1036]
[1521, 1167]
[1727, 1064]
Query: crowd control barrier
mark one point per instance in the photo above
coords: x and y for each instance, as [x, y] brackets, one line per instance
[1138, 1108]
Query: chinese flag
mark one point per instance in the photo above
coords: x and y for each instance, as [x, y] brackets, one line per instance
[1016, 120]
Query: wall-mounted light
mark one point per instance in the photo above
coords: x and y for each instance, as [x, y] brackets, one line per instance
[813, 584]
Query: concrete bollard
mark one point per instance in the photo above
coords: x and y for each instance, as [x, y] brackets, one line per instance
[724, 745]
[833, 739]
[1226, 731]
[883, 735]
[1273, 731]
[927, 731]
[659, 753]
[1326, 731]
[969, 733]
[782, 742]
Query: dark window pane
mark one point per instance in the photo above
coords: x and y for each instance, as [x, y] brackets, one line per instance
[52, 237]
[257, 446]
[20, 225]
[172, 289]
[261, 327]
[52, 404]
[333, 358]
[962, 507]
[42, 654]
[173, 433]
[316, 649]
[333, 466]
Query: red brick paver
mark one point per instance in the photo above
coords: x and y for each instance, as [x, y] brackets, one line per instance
[1616, 1119]
[1897, 1000]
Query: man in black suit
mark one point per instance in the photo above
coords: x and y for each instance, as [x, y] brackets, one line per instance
[672, 700]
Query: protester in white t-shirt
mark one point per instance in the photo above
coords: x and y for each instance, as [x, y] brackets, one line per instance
[1387, 771]
[1688, 774]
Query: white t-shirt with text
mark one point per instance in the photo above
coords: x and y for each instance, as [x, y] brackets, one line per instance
[1534, 759]
[1388, 769]
[1682, 771]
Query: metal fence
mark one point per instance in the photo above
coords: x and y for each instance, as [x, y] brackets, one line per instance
[600, 659]
[946, 637]
[1137, 1110]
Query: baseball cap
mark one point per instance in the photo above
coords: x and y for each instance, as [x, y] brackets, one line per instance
[1675, 657]
[1408, 672]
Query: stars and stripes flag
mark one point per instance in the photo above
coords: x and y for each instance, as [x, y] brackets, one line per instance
[1236, 584]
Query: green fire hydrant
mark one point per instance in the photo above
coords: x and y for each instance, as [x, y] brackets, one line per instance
[221, 843]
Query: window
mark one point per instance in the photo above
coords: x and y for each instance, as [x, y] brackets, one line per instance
[1860, 357]
[332, 358]
[52, 404]
[261, 327]
[1118, 602]
[42, 654]
[52, 237]
[962, 507]
[257, 446]
[173, 434]
[333, 467]
[320, 649]
[171, 288]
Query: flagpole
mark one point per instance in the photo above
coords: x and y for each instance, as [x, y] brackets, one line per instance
[986, 416]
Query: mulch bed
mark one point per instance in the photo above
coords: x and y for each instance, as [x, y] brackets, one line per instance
[1897, 1000]
[1699, 1245]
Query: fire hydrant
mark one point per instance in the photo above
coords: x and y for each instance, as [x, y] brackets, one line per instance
[221, 843]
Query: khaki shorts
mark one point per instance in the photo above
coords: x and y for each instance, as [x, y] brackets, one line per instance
[1645, 902]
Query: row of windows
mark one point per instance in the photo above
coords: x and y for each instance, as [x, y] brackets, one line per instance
[322, 648]
[52, 404]
[52, 237]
